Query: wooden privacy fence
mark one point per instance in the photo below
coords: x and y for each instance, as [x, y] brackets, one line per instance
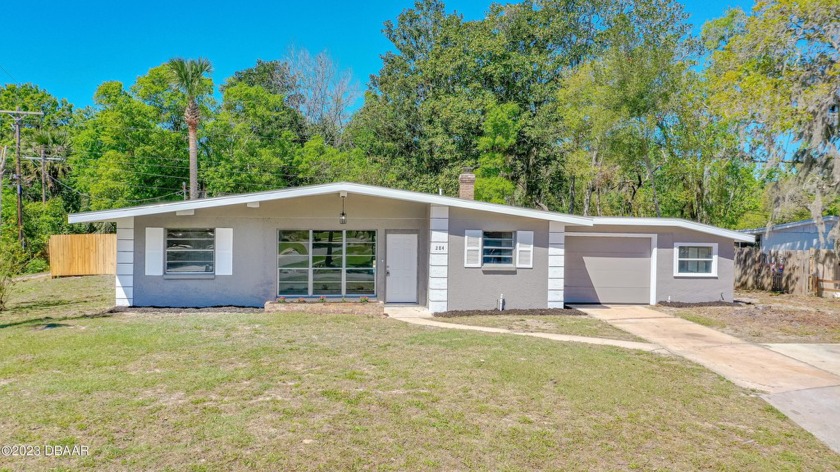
[798, 272]
[83, 254]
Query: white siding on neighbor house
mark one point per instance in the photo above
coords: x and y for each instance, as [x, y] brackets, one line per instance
[556, 264]
[438, 298]
[125, 262]
[797, 238]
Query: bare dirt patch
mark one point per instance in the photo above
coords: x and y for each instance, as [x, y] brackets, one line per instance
[532, 312]
[770, 318]
[556, 321]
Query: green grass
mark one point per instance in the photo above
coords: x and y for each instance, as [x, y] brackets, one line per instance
[701, 320]
[211, 391]
[560, 324]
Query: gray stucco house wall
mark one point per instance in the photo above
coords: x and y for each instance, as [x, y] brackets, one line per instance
[480, 287]
[255, 230]
[682, 288]
[447, 253]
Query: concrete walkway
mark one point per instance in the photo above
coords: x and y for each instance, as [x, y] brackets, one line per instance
[419, 316]
[806, 394]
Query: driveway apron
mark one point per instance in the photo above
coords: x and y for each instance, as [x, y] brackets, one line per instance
[806, 394]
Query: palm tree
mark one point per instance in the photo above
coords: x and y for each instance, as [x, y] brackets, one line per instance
[52, 144]
[188, 77]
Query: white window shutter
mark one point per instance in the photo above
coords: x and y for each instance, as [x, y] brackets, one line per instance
[525, 249]
[154, 251]
[472, 248]
[224, 251]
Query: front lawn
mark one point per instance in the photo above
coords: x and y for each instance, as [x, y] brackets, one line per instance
[237, 391]
[771, 318]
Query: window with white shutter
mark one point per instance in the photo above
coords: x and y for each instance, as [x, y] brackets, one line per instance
[472, 248]
[525, 249]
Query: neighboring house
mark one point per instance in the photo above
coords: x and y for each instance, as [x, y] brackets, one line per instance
[350, 240]
[796, 236]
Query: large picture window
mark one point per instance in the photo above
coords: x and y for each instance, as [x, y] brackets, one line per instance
[190, 251]
[695, 259]
[329, 263]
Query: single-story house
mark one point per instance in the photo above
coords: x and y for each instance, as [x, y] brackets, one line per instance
[348, 240]
[796, 236]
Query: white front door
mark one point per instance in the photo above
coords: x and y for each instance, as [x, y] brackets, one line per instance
[401, 268]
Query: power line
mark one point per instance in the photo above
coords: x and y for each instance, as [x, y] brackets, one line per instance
[7, 73]
[129, 201]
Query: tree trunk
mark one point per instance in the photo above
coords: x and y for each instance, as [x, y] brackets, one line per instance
[193, 131]
[572, 196]
[652, 177]
[590, 188]
[587, 199]
[2, 174]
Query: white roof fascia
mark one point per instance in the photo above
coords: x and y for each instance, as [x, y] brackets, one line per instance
[313, 190]
[794, 224]
[675, 222]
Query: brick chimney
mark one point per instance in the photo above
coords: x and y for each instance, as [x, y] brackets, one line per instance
[466, 185]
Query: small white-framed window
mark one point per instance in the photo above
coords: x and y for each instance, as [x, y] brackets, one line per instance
[190, 251]
[497, 248]
[695, 259]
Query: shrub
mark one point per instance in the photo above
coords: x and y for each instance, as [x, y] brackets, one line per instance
[36, 266]
[10, 266]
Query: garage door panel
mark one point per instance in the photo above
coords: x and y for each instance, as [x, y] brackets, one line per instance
[598, 263]
[618, 278]
[607, 270]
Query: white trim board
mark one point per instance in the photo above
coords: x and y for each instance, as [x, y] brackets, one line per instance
[325, 189]
[653, 243]
[674, 223]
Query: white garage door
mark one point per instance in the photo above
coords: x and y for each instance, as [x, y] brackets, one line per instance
[607, 270]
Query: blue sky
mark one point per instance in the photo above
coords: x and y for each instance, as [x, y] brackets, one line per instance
[70, 48]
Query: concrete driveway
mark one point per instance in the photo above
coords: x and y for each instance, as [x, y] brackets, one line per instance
[824, 356]
[808, 395]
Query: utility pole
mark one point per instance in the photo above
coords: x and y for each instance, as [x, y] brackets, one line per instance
[43, 175]
[2, 172]
[18, 116]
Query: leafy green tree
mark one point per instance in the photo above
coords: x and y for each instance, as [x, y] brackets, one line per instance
[501, 129]
[188, 76]
[252, 142]
[775, 73]
[124, 149]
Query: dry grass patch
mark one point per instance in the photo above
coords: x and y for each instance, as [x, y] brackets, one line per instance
[246, 391]
[773, 318]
